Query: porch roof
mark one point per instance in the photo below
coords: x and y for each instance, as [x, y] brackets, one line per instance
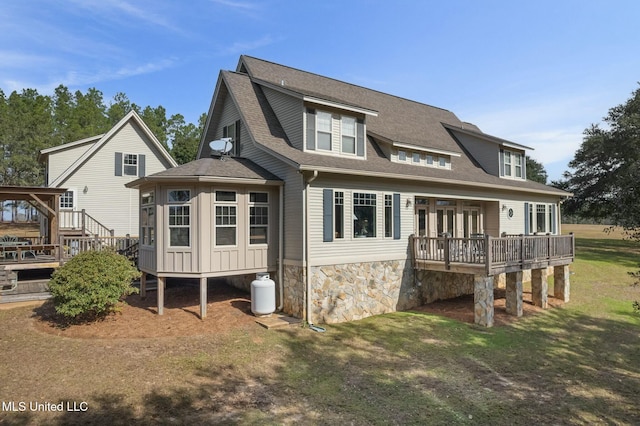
[230, 169]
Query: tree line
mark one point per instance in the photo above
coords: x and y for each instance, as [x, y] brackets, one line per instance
[30, 122]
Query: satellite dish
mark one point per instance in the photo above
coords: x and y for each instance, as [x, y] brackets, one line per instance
[221, 146]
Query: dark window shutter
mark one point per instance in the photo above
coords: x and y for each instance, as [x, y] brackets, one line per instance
[554, 219]
[527, 225]
[118, 164]
[524, 166]
[360, 137]
[236, 144]
[141, 165]
[502, 162]
[311, 129]
[396, 216]
[327, 215]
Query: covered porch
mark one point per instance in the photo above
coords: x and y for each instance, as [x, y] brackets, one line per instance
[485, 257]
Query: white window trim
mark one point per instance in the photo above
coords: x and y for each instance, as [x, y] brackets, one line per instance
[124, 165]
[179, 203]
[384, 216]
[74, 200]
[217, 203]
[148, 206]
[355, 136]
[318, 131]
[376, 212]
[258, 204]
[512, 164]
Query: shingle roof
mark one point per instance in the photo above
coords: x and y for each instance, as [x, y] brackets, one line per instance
[230, 167]
[266, 131]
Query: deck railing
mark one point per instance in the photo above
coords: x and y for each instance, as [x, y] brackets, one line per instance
[494, 254]
[72, 246]
[81, 220]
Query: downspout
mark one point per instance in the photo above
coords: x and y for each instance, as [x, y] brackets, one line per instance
[280, 244]
[306, 245]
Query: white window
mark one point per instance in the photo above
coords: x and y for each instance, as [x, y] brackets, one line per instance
[179, 218]
[364, 215]
[66, 200]
[233, 131]
[130, 164]
[402, 155]
[507, 163]
[349, 135]
[388, 215]
[147, 219]
[338, 204]
[518, 164]
[415, 157]
[258, 217]
[226, 218]
[323, 122]
[541, 214]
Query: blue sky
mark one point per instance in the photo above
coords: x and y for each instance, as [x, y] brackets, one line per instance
[536, 72]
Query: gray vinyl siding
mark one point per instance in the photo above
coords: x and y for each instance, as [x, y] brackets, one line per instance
[494, 220]
[290, 112]
[487, 154]
[60, 161]
[106, 198]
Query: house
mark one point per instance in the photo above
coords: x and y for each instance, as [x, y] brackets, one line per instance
[95, 170]
[357, 202]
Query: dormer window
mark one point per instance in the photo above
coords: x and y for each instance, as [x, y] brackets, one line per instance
[323, 122]
[331, 133]
[512, 164]
[417, 158]
[233, 131]
[349, 135]
[402, 155]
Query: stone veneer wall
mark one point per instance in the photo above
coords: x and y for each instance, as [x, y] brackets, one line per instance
[294, 290]
[353, 291]
[437, 285]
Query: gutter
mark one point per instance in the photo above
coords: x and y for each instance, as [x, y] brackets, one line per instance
[280, 245]
[306, 246]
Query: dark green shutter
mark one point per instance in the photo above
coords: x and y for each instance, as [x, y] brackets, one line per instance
[141, 165]
[554, 220]
[360, 137]
[502, 162]
[527, 225]
[311, 129]
[118, 164]
[396, 216]
[327, 215]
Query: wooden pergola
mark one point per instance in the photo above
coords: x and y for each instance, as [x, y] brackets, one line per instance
[45, 200]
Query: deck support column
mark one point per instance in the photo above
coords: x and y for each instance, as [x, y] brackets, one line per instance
[539, 288]
[561, 282]
[143, 285]
[203, 298]
[483, 300]
[514, 293]
[161, 281]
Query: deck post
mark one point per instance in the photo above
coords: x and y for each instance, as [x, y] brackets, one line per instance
[143, 285]
[483, 300]
[514, 293]
[161, 281]
[561, 282]
[539, 288]
[203, 297]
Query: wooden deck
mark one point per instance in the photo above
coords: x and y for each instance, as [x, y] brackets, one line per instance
[492, 255]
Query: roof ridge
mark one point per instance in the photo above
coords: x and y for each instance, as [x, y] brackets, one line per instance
[344, 82]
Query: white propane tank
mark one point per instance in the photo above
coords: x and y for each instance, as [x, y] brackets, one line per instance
[263, 295]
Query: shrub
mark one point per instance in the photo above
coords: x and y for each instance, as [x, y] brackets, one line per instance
[91, 284]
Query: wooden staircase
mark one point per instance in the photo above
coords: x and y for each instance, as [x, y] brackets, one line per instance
[79, 223]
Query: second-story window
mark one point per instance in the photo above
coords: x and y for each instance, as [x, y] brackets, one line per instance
[507, 163]
[130, 164]
[324, 130]
[518, 164]
[512, 164]
[349, 135]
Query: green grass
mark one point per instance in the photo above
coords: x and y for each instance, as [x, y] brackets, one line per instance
[579, 364]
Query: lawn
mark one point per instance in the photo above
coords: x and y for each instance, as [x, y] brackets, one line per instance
[579, 364]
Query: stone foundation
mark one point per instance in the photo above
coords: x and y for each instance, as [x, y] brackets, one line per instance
[353, 291]
[438, 285]
[294, 291]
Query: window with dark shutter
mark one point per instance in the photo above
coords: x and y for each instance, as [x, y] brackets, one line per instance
[327, 215]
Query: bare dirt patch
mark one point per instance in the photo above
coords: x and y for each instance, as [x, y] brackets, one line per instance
[461, 308]
[227, 309]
